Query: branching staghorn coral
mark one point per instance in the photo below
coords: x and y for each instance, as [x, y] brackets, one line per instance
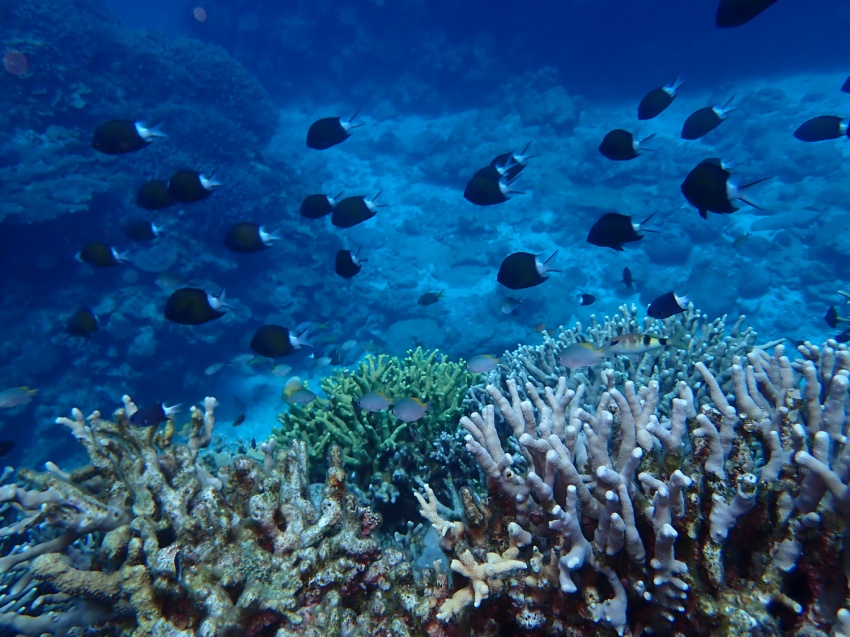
[146, 538]
[712, 342]
[385, 452]
[724, 517]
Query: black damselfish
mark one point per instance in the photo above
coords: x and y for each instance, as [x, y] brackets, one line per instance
[272, 341]
[734, 13]
[82, 324]
[667, 305]
[658, 99]
[347, 264]
[190, 186]
[101, 255]
[709, 188]
[193, 306]
[142, 230]
[318, 206]
[704, 120]
[120, 136]
[485, 189]
[354, 210]
[512, 164]
[153, 195]
[522, 270]
[247, 237]
[822, 128]
[613, 229]
[330, 131]
[586, 299]
[153, 415]
[628, 279]
[621, 145]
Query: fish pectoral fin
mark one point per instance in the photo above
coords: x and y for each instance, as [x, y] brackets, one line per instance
[703, 213]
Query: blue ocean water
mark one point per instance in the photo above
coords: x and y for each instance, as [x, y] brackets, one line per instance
[441, 88]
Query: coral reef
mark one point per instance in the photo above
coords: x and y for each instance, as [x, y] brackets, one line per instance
[726, 518]
[383, 453]
[145, 538]
[216, 114]
[712, 342]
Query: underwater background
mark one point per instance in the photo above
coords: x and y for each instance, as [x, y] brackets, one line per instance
[435, 90]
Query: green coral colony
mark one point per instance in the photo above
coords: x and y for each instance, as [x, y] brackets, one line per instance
[712, 501]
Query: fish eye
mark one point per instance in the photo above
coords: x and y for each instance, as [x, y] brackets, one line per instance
[615, 341]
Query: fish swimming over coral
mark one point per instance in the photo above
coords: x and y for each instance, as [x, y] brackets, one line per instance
[121, 136]
[246, 238]
[522, 270]
[275, 340]
[318, 206]
[347, 264]
[330, 131]
[613, 230]
[709, 187]
[352, 211]
[704, 120]
[194, 306]
[101, 255]
[82, 324]
[621, 145]
[658, 99]
[190, 186]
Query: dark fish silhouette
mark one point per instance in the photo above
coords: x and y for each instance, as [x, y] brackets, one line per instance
[5, 447]
[522, 270]
[273, 341]
[317, 206]
[485, 189]
[347, 264]
[429, 298]
[628, 280]
[239, 420]
[667, 305]
[190, 186]
[701, 122]
[709, 188]
[832, 319]
[120, 136]
[153, 195]
[586, 299]
[845, 88]
[193, 306]
[142, 230]
[734, 13]
[153, 415]
[82, 324]
[613, 229]
[101, 255]
[658, 99]
[247, 237]
[354, 210]
[330, 131]
[512, 164]
[621, 145]
[822, 128]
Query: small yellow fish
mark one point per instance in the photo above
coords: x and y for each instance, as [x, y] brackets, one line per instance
[539, 328]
